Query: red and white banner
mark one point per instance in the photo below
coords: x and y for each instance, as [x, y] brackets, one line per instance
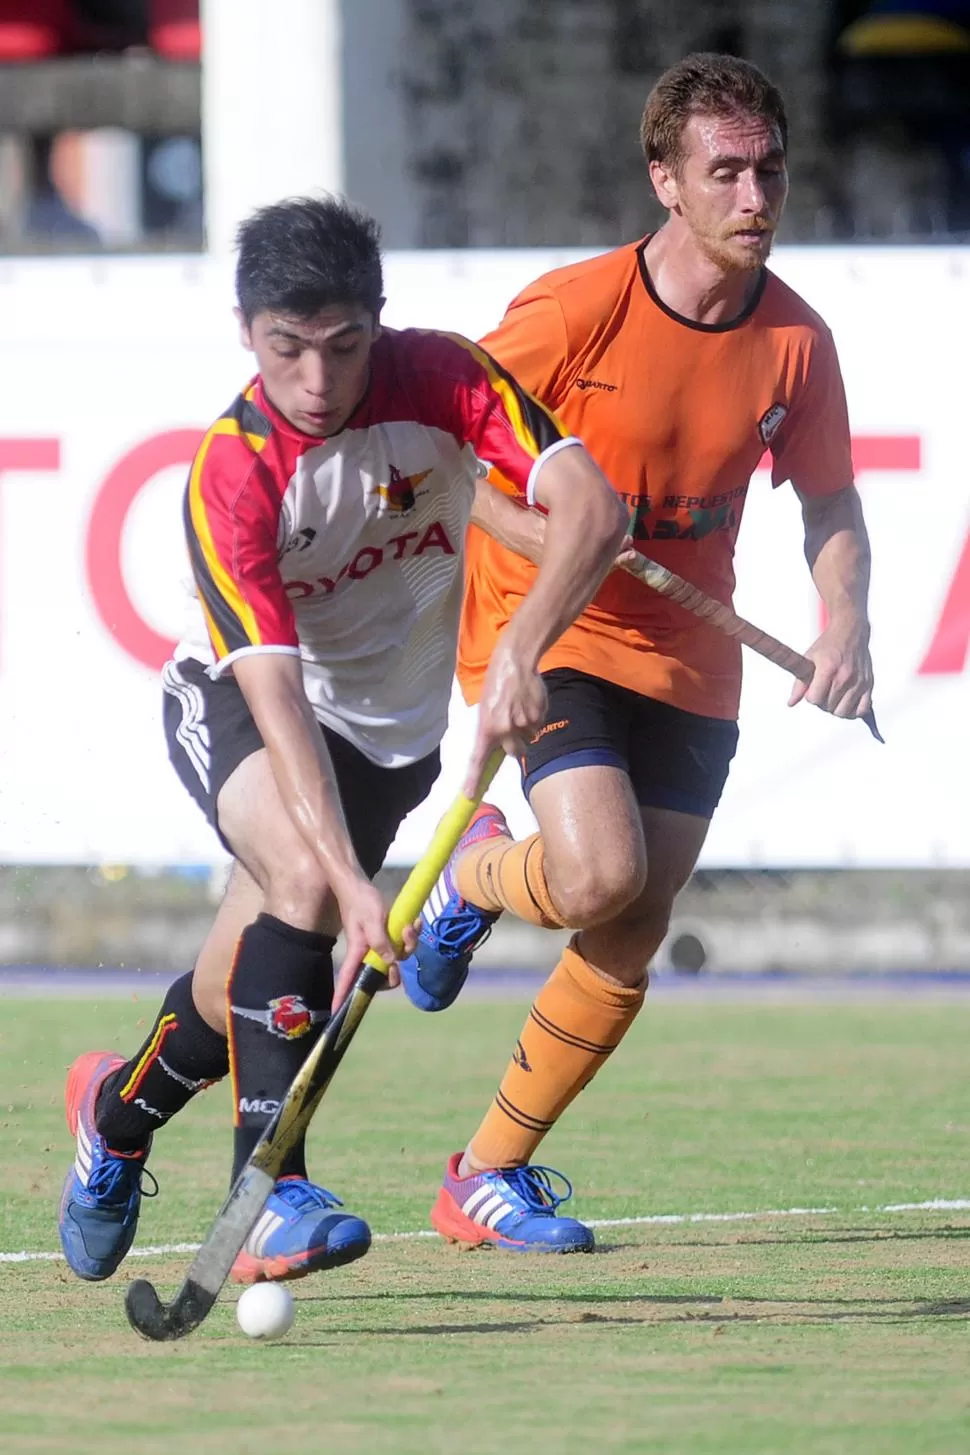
[109, 371]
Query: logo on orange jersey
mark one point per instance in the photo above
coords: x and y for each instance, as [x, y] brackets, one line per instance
[771, 422]
[398, 493]
[595, 384]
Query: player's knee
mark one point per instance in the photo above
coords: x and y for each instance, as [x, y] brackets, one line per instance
[596, 893]
[298, 891]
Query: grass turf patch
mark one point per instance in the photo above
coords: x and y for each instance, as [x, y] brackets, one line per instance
[846, 1330]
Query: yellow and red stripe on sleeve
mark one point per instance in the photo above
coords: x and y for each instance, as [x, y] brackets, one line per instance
[231, 516]
[506, 426]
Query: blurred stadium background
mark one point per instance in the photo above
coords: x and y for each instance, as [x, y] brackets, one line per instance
[491, 143]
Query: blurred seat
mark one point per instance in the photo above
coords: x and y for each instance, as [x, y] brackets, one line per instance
[174, 32]
[908, 28]
[34, 30]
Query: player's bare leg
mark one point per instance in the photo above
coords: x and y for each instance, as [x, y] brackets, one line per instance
[614, 869]
[241, 903]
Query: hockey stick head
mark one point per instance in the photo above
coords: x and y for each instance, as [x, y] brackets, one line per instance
[161, 1322]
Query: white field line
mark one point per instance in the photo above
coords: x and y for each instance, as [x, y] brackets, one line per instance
[936, 1204]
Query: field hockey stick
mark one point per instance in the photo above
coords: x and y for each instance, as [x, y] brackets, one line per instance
[675, 588]
[211, 1266]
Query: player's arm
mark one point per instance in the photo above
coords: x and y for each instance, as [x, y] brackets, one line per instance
[837, 552]
[272, 684]
[574, 547]
[514, 526]
[813, 450]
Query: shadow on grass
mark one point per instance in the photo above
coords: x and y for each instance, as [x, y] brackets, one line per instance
[710, 1308]
[862, 1235]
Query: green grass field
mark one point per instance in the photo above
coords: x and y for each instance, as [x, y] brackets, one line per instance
[837, 1331]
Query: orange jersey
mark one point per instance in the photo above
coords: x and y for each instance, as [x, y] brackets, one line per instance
[677, 415]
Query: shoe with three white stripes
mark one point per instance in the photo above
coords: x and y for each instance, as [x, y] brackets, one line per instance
[102, 1194]
[512, 1207]
[451, 928]
[298, 1232]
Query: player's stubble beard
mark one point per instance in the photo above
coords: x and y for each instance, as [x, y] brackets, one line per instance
[718, 250]
[713, 241]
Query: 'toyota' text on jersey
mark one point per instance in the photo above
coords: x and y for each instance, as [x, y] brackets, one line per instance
[348, 551]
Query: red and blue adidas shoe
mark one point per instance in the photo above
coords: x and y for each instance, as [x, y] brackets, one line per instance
[299, 1231]
[102, 1193]
[451, 928]
[512, 1208]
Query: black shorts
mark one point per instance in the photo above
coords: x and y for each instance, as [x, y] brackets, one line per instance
[210, 731]
[675, 759]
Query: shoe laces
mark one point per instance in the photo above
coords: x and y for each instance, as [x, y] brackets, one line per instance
[302, 1195]
[535, 1187]
[117, 1178]
[459, 929]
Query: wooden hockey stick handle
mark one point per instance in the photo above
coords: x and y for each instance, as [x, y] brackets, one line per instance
[675, 588]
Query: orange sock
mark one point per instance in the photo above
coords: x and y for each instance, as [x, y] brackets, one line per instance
[504, 873]
[578, 1018]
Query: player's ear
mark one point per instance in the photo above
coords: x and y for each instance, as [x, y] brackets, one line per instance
[245, 333]
[377, 318]
[664, 180]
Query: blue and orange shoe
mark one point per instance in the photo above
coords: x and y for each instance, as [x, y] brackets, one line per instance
[451, 928]
[299, 1232]
[512, 1208]
[102, 1194]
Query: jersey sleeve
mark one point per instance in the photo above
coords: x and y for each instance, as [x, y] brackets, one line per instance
[531, 342]
[232, 510]
[511, 433]
[813, 448]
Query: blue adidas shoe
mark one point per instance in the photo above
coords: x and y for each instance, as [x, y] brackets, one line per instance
[451, 928]
[102, 1193]
[514, 1208]
[299, 1231]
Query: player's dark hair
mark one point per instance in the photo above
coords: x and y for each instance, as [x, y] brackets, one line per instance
[306, 253]
[706, 84]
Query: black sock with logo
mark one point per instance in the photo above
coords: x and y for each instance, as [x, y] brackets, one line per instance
[181, 1056]
[280, 992]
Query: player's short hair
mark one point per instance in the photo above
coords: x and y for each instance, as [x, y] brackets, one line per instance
[306, 253]
[705, 84]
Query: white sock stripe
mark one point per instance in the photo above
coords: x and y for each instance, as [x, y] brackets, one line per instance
[177, 1076]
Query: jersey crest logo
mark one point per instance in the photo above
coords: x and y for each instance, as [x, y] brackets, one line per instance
[398, 494]
[771, 422]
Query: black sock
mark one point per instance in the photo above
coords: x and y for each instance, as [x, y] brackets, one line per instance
[279, 1003]
[181, 1056]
